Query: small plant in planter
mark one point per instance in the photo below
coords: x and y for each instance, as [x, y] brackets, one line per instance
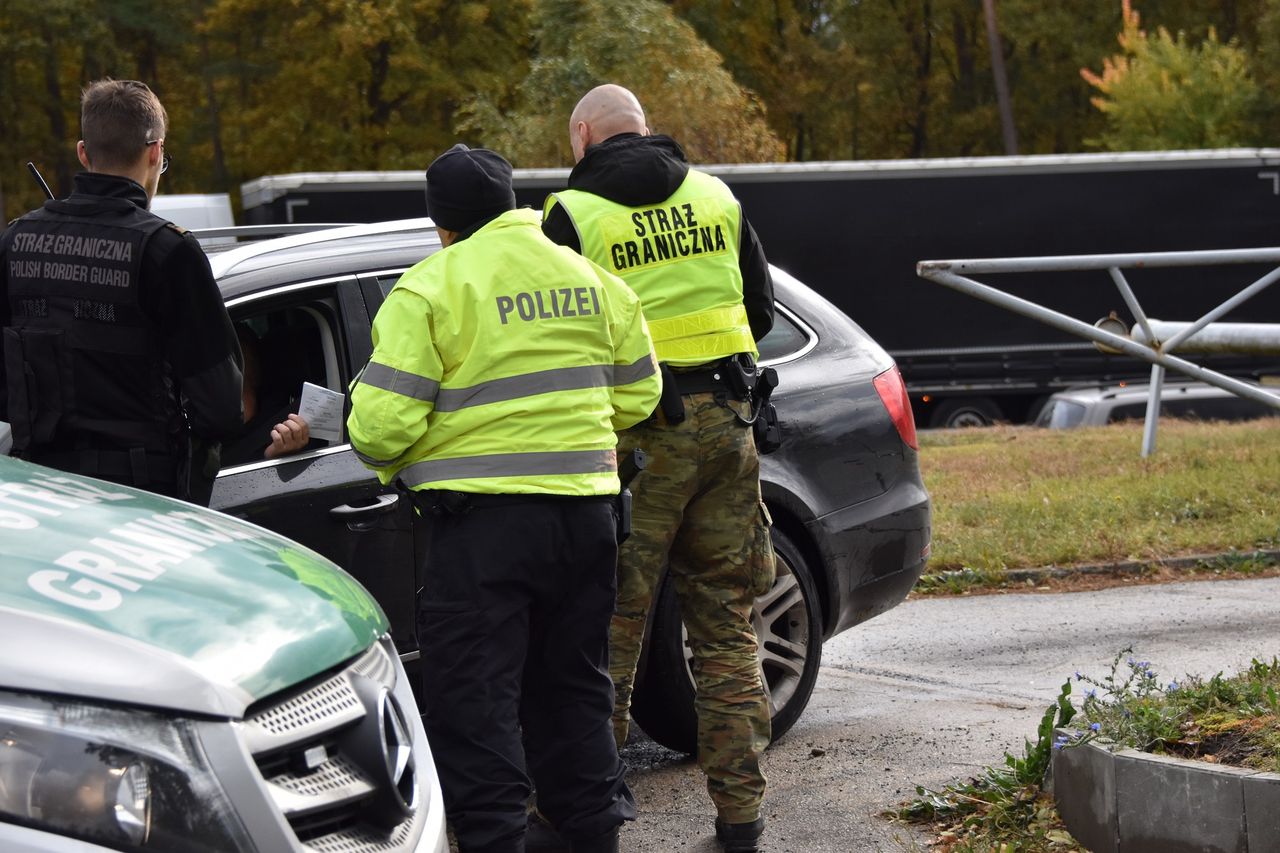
[1227, 720]
[1224, 720]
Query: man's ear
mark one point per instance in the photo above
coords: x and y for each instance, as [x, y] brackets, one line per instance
[82, 154]
[579, 139]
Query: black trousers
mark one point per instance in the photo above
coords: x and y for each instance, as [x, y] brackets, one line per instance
[513, 623]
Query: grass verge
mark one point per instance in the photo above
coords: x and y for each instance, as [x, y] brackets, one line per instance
[1013, 497]
[1222, 720]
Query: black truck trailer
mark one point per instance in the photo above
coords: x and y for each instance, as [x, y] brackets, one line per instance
[854, 231]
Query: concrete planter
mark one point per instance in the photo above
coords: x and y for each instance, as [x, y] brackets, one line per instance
[1134, 802]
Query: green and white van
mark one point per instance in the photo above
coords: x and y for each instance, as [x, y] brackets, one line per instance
[174, 679]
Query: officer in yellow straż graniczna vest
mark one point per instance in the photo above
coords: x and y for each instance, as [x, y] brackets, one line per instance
[678, 238]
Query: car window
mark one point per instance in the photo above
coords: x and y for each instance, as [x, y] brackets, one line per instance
[1061, 414]
[1128, 412]
[786, 338]
[386, 281]
[293, 339]
[1225, 408]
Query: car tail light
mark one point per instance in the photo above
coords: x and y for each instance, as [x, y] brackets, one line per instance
[893, 393]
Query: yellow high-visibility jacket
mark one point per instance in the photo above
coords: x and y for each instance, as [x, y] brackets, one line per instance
[680, 257]
[504, 364]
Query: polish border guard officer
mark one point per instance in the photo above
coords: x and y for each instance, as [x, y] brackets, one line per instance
[503, 364]
[118, 350]
[678, 238]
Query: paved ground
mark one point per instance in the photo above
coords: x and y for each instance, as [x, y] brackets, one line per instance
[936, 690]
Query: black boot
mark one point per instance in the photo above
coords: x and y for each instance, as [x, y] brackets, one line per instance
[739, 837]
[541, 837]
[607, 843]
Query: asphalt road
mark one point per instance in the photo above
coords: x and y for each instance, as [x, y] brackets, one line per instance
[937, 689]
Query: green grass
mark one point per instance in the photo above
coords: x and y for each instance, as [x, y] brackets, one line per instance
[1020, 497]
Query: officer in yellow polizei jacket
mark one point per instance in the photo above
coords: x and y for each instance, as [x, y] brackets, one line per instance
[502, 366]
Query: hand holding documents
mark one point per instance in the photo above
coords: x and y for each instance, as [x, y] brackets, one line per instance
[322, 410]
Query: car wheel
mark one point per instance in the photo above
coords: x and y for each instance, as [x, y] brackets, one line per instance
[789, 630]
[965, 412]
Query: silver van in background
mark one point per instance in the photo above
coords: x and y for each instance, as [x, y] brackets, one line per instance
[1098, 405]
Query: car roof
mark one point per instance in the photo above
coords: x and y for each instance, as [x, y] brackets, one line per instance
[346, 250]
[1093, 394]
[338, 251]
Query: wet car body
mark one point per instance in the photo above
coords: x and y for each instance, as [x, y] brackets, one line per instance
[844, 489]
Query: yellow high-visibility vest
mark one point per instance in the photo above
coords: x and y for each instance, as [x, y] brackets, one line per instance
[504, 364]
[681, 257]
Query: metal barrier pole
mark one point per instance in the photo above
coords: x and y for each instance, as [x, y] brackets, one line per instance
[1234, 302]
[939, 271]
[1153, 411]
[1131, 299]
[1153, 351]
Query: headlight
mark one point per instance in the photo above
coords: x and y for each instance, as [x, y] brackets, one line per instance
[128, 779]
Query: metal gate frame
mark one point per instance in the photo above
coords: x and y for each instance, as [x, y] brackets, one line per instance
[955, 275]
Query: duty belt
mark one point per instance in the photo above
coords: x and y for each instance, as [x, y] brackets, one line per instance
[705, 380]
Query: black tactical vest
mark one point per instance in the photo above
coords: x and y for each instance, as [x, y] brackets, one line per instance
[85, 376]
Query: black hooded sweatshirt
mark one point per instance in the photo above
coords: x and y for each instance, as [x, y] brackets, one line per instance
[638, 171]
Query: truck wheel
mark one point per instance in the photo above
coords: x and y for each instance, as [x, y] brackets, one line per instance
[965, 412]
[789, 630]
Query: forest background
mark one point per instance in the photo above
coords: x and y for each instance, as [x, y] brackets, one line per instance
[257, 87]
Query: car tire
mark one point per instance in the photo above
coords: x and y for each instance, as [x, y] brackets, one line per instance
[965, 412]
[789, 629]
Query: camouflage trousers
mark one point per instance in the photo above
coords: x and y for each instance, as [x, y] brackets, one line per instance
[697, 509]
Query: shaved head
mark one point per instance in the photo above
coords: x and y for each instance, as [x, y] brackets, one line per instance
[603, 112]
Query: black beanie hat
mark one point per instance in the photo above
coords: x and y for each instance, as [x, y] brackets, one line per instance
[466, 186]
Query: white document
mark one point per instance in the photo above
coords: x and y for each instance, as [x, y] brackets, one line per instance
[322, 410]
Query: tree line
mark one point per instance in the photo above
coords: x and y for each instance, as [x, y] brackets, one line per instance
[256, 87]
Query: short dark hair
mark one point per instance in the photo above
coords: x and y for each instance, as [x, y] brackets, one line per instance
[117, 120]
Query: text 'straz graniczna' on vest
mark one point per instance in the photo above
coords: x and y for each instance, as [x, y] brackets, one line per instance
[665, 233]
[73, 258]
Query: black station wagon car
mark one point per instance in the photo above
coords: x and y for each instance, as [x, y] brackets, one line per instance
[851, 515]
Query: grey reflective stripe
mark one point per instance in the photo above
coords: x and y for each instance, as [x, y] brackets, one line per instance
[400, 382]
[625, 374]
[511, 465]
[543, 382]
[373, 463]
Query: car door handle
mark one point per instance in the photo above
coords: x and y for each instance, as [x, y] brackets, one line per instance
[380, 504]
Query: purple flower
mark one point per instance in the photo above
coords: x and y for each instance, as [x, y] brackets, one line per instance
[1173, 685]
[1095, 726]
[1091, 693]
